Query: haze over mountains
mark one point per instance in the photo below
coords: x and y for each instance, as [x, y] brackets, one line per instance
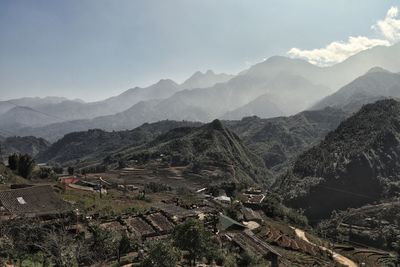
[376, 84]
[278, 86]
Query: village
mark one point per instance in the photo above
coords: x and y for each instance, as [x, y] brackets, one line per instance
[131, 216]
[124, 202]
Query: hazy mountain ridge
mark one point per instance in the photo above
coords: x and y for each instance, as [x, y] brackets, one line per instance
[6, 105]
[284, 84]
[43, 113]
[263, 107]
[376, 84]
[206, 79]
[357, 163]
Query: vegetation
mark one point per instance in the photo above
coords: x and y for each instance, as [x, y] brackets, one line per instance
[191, 236]
[22, 164]
[355, 164]
[274, 208]
[23, 145]
[161, 254]
[94, 145]
[210, 150]
[278, 141]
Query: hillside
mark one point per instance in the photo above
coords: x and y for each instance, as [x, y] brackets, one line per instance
[279, 140]
[95, 144]
[211, 152]
[23, 145]
[376, 84]
[358, 163]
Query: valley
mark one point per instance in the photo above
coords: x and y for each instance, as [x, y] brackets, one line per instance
[199, 133]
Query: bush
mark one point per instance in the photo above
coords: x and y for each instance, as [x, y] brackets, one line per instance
[161, 254]
[155, 187]
[13, 162]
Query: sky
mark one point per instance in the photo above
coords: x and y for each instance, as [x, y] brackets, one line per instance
[93, 49]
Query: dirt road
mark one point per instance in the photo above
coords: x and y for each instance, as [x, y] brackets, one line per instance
[337, 257]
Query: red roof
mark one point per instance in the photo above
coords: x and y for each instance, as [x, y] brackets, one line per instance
[69, 180]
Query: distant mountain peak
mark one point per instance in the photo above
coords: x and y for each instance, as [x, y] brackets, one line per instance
[166, 82]
[377, 69]
[206, 79]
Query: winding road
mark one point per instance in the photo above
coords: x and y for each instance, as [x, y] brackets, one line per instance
[337, 257]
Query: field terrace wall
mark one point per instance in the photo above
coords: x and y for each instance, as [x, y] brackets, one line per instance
[247, 241]
[160, 222]
[175, 212]
[278, 238]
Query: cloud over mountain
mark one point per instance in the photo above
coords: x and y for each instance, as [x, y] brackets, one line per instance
[337, 51]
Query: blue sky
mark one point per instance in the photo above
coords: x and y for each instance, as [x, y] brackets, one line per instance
[92, 49]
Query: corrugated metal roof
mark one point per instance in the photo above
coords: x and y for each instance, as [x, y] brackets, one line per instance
[33, 201]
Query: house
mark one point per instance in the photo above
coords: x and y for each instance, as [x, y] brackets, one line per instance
[228, 224]
[223, 199]
[160, 223]
[252, 215]
[68, 180]
[35, 201]
[175, 212]
[139, 227]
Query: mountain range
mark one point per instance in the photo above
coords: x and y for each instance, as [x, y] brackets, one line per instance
[278, 86]
[42, 112]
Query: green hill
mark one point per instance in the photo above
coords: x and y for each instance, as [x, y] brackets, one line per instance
[279, 140]
[358, 163]
[24, 145]
[95, 144]
[209, 150]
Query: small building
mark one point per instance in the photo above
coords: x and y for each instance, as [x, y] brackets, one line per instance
[223, 199]
[175, 212]
[139, 228]
[68, 180]
[226, 223]
[35, 201]
[252, 215]
[160, 223]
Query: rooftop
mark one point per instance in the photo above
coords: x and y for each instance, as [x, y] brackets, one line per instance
[33, 201]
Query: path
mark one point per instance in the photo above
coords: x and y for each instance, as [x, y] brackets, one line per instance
[337, 257]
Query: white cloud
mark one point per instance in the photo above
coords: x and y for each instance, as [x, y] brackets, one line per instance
[389, 27]
[335, 52]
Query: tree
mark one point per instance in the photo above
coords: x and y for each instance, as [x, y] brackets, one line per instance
[161, 254]
[70, 170]
[194, 238]
[13, 162]
[124, 246]
[25, 165]
[104, 244]
[58, 170]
